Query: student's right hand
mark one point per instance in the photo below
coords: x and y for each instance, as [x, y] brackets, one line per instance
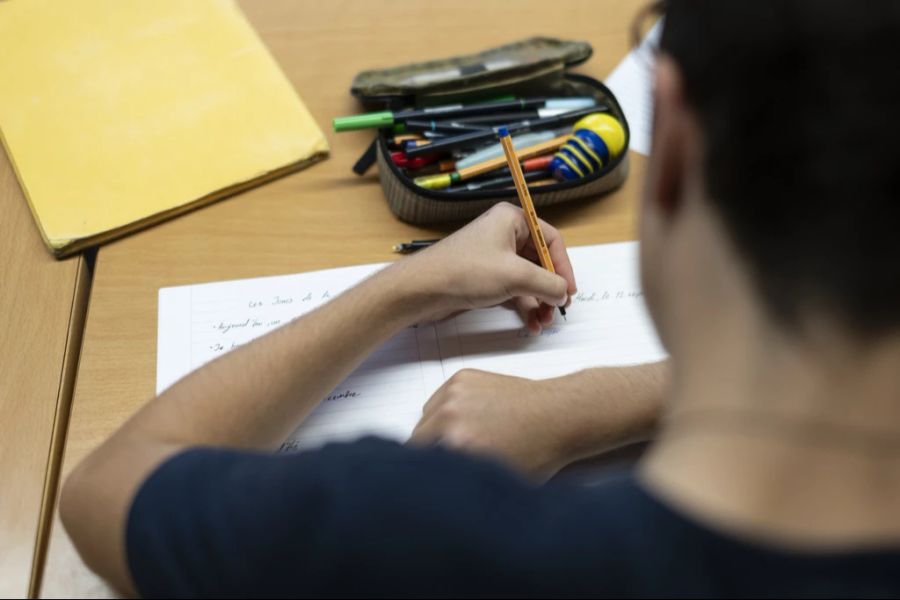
[493, 261]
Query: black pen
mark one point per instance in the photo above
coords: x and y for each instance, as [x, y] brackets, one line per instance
[442, 126]
[407, 247]
[504, 180]
[498, 119]
[473, 138]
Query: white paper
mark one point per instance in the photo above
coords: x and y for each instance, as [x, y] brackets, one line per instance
[384, 396]
[607, 325]
[632, 83]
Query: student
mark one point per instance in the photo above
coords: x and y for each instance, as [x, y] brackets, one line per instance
[769, 263]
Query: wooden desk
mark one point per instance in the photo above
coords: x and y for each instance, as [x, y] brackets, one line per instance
[42, 305]
[322, 217]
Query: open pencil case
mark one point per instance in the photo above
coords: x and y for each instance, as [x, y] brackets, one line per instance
[536, 67]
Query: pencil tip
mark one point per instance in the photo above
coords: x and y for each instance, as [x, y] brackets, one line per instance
[562, 311]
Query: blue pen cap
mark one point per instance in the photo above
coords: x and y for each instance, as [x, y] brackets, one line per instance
[502, 132]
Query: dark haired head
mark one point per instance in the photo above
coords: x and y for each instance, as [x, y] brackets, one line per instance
[798, 104]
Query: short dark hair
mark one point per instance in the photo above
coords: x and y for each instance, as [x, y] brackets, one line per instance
[798, 102]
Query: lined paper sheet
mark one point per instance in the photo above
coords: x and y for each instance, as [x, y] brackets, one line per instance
[384, 396]
[607, 325]
[632, 83]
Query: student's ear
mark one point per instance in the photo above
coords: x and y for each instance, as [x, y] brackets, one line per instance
[672, 136]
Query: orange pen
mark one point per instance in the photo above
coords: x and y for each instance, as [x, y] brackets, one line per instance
[527, 205]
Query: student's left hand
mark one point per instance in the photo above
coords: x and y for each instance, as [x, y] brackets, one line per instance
[507, 418]
[539, 426]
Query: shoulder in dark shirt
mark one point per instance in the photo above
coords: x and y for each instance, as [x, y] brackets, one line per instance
[374, 518]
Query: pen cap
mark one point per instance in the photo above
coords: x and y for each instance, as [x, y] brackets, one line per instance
[434, 182]
[373, 120]
[567, 104]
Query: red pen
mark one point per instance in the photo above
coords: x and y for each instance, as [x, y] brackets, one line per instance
[400, 159]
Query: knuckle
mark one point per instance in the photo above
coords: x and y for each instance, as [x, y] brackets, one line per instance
[450, 388]
[562, 286]
[503, 207]
[458, 437]
[494, 212]
[447, 412]
[462, 376]
[433, 403]
[506, 211]
[466, 378]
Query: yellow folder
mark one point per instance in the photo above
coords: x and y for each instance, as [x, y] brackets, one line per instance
[118, 114]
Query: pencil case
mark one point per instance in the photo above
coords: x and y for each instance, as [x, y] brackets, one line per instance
[533, 67]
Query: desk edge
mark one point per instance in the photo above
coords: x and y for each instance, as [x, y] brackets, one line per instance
[68, 373]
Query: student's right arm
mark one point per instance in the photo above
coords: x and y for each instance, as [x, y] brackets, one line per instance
[540, 426]
[254, 396]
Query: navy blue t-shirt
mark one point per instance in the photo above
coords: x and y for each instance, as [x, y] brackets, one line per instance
[374, 518]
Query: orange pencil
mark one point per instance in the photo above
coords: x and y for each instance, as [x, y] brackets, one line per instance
[531, 217]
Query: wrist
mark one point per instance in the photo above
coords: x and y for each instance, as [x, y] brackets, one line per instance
[578, 405]
[609, 407]
[408, 292]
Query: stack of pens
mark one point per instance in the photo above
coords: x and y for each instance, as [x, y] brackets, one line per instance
[455, 148]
